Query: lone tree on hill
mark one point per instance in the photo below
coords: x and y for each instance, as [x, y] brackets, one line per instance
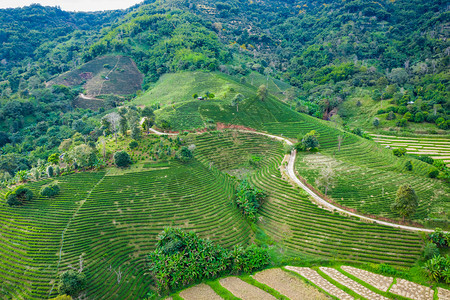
[18, 196]
[326, 177]
[406, 201]
[262, 92]
[71, 283]
[236, 100]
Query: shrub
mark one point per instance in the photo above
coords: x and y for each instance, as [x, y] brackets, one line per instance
[408, 165]
[71, 283]
[391, 116]
[430, 250]
[438, 268]
[133, 144]
[440, 238]
[376, 122]
[310, 140]
[433, 173]
[50, 171]
[50, 190]
[182, 258]
[426, 159]
[18, 196]
[185, 154]
[122, 159]
[402, 122]
[381, 111]
[399, 152]
[249, 199]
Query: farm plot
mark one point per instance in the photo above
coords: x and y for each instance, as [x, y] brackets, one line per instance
[412, 290]
[435, 147]
[298, 225]
[373, 190]
[378, 281]
[244, 290]
[112, 222]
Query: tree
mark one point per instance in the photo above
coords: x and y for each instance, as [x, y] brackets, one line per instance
[4, 138]
[112, 121]
[249, 199]
[122, 159]
[185, 154]
[83, 155]
[376, 122]
[326, 177]
[262, 92]
[341, 138]
[236, 100]
[310, 140]
[71, 283]
[147, 112]
[50, 190]
[391, 116]
[376, 95]
[135, 132]
[54, 158]
[50, 171]
[195, 96]
[408, 165]
[147, 123]
[18, 196]
[406, 201]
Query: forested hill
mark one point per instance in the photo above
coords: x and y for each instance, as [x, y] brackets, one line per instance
[355, 62]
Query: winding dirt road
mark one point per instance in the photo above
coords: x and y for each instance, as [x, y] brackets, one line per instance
[319, 200]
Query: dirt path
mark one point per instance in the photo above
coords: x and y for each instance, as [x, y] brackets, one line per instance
[320, 201]
[107, 75]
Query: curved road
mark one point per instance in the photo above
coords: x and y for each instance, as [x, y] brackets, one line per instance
[317, 198]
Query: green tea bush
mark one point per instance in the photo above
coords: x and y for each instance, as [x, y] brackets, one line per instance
[430, 250]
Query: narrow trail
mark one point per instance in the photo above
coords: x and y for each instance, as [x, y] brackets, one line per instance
[290, 158]
[107, 75]
[68, 225]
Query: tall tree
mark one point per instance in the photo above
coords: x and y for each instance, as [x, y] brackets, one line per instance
[406, 201]
[262, 92]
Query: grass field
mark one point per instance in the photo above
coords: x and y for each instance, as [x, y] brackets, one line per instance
[123, 77]
[179, 87]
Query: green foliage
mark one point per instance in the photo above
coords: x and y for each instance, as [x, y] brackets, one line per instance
[433, 173]
[408, 165]
[438, 268]
[71, 283]
[440, 238]
[182, 258]
[425, 158]
[50, 171]
[399, 152]
[133, 144]
[122, 159]
[391, 116]
[406, 201]
[54, 158]
[310, 141]
[50, 190]
[430, 250]
[402, 122]
[376, 122]
[249, 199]
[18, 196]
[62, 297]
[185, 154]
[262, 92]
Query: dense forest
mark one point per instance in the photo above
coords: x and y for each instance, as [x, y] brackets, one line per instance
[328, 51]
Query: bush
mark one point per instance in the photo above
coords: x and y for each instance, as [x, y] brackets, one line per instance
[50, 190]
[402, 122]
[133, 144]
[185, 154]
[50, 171]
[406, 201]
[399, 152]
[249, 199]
[122, 159]
[426, 159]
[18, 196]
[433, 173]
[391, 116]
[71, 283]
[430, 250]
[438, 268]
[408, 165]
[310, 141]
[182, 258]
[440, 238]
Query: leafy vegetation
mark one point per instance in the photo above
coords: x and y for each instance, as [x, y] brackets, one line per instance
[50, 190]
[249, 199]
[182, 258]
[18, 196]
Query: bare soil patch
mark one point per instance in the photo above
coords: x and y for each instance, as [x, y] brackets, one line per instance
[200, 292]
[243, 290]
[288, 285]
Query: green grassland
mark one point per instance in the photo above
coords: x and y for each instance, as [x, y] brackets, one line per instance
[180, 87]
[123, 76]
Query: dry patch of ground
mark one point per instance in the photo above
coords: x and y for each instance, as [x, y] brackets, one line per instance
[243, 290]
[288, 285]
[411, 290]
[378, 281]
[200, 292]
[321, 282]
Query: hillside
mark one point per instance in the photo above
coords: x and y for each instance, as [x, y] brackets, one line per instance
[147, 150]
[117, 75]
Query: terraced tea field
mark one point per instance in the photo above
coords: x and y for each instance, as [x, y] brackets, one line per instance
[112, 222]
[299, 226]
[299, 283]
[435, 147]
